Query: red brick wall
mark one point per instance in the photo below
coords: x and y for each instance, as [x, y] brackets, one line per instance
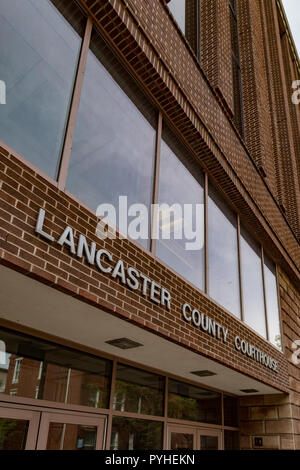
[215, 47]
[287, 179]
[255, 86]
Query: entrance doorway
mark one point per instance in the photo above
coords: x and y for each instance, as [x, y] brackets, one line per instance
[27, 429]
[193, 438]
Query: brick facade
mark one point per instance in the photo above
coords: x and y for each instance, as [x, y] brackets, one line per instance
[259, 177]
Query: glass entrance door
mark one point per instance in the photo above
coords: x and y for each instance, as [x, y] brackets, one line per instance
[18, 429]
[193, 438]
[60, 431]
[24, 429]
[181, 438]
[209, 439]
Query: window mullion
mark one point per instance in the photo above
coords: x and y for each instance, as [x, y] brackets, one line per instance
[70, 130]
[240, 267]
[154, 229]
[264, 289]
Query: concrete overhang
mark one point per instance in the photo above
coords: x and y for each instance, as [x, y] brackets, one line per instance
[32, 304]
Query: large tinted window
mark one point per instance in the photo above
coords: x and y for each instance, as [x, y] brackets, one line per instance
[138, 391]
[231, 411]
[114, 144]
[272, 303]
[36, 369]
[192, 403]
[181, 187]
[136, 434]
[231, 440]
[39, 52]
[223, 254]
[253, 295]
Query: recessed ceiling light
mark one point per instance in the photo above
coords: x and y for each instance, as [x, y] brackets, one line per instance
[249, 390]
[124, 343]
[203, 373]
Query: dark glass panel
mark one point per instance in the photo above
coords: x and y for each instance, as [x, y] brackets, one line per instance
[136, 434]
[209, 443]
[51, 372]
[138, 391]
[192, 403]
[71, 437]
[234, 35]
[180, 441]
[231, 440]
[231, 411]
[13, 434]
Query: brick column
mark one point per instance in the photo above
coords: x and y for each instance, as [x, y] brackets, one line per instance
[291, 75]
[215, 46]
[257, 113]
[280, 95]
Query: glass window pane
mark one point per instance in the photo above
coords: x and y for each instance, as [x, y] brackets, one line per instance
[180, 441]
[231, 440]
[272, 303]
[193, 403]
[39, 52]
[181, 234]
[253, 296]
[231, 411]
[114, 145]
[13, 434]
[136, 434]
[209, 443]
[138, 391]
[223, 254]
[51, 372]
[63, 436]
